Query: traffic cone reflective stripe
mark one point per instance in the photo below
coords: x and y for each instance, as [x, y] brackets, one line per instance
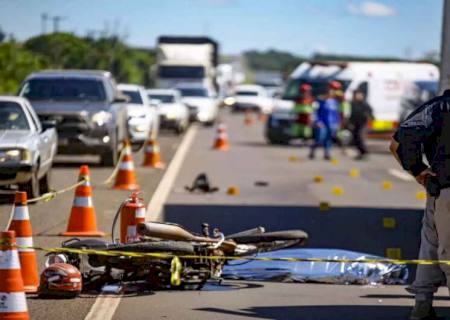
[22, 226]
[126, 176]
[221, 141]
[82, 220]
[152, 156]
[13, 303]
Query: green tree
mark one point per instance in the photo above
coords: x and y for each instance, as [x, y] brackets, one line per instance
[60, 50]
[15, 64]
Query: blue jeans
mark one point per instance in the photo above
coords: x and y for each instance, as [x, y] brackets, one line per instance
[323, 136]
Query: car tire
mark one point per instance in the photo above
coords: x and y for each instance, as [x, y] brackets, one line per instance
[109, 158]
[45, 183]
[210, 123]
[181, 127]
[31, 187]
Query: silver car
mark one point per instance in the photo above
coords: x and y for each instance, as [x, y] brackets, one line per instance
[27, 147]
[89, 111]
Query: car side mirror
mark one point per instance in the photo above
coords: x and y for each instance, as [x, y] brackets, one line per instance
[48, 124]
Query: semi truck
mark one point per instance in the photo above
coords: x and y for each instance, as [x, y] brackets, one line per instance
[184, 60]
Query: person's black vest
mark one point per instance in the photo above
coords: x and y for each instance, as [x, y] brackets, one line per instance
[441, 161]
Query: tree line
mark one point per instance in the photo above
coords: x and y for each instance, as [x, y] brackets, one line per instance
[68, 51]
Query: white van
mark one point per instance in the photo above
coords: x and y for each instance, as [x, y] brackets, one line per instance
[384, 83]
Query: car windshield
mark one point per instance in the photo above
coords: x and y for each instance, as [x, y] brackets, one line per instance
[12, 117]
[164, 98]
[135, 96]
[246, 93]
[63, 89]
[319, 87]
[193, 92]
[193, 72]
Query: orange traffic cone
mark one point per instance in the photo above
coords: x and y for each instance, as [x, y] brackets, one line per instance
[248, 120]
[22, 226]
[152, 155]
[126, 177]
[82, 221]
[132, 213]
[13, 303]
[221, 142]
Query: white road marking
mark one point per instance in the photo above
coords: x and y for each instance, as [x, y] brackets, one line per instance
[162, 192]
[400, 174]
[105, 306]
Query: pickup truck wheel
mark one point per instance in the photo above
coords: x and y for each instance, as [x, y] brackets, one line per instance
[31, 187]
[109, 158]
[45, 182]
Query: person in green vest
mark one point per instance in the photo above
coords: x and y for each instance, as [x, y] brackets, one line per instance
[304, 110]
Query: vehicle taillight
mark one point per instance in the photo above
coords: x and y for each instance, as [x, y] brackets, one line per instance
[304, 118]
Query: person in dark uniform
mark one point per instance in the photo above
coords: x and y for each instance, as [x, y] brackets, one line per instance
[427, 132]
[361, 113]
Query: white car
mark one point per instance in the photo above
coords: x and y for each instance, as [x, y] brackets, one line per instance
[27, 147]
[202, 103]
[143, 118]
[173, 113]
[252, 97]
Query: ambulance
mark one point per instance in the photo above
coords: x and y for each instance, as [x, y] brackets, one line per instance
[385, 85]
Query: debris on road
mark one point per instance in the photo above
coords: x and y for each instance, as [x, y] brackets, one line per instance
[201, 184]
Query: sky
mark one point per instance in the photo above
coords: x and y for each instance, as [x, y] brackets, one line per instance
[400, 28]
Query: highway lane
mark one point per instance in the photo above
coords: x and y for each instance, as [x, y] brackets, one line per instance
[50, 218]
[290, 200]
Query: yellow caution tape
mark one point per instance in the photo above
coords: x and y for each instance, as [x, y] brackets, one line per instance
[159, 255]
[175, 268]
[52, 194]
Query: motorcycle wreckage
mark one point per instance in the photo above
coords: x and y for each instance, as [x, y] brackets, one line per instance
[166, 255]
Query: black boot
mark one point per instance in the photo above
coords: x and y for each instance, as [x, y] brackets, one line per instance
[423, 310]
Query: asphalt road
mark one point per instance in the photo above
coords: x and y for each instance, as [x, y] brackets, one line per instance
[289, 199]
[50, 218]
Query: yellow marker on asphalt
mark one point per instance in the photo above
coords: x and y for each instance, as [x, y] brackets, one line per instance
[394, 253]
[318, 179]
[338, 191]
[355, 173]
[293, 159]
[233, 191]
[389, 223]
[387, 185]
[421, 195]
[334, 161]
[324, 206]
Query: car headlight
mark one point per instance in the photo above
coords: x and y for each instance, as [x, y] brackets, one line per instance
[15, 155]
[102, 117]
[171, 115]
[229, 101]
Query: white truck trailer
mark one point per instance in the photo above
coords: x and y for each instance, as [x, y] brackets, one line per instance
[190, 60]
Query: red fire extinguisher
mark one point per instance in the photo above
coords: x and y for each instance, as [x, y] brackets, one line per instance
[132, 213]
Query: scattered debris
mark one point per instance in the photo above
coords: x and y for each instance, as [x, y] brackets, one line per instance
[201, 184]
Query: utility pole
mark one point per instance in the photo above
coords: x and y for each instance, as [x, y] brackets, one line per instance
[56, 21]
[44, 18]
[445, 48]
